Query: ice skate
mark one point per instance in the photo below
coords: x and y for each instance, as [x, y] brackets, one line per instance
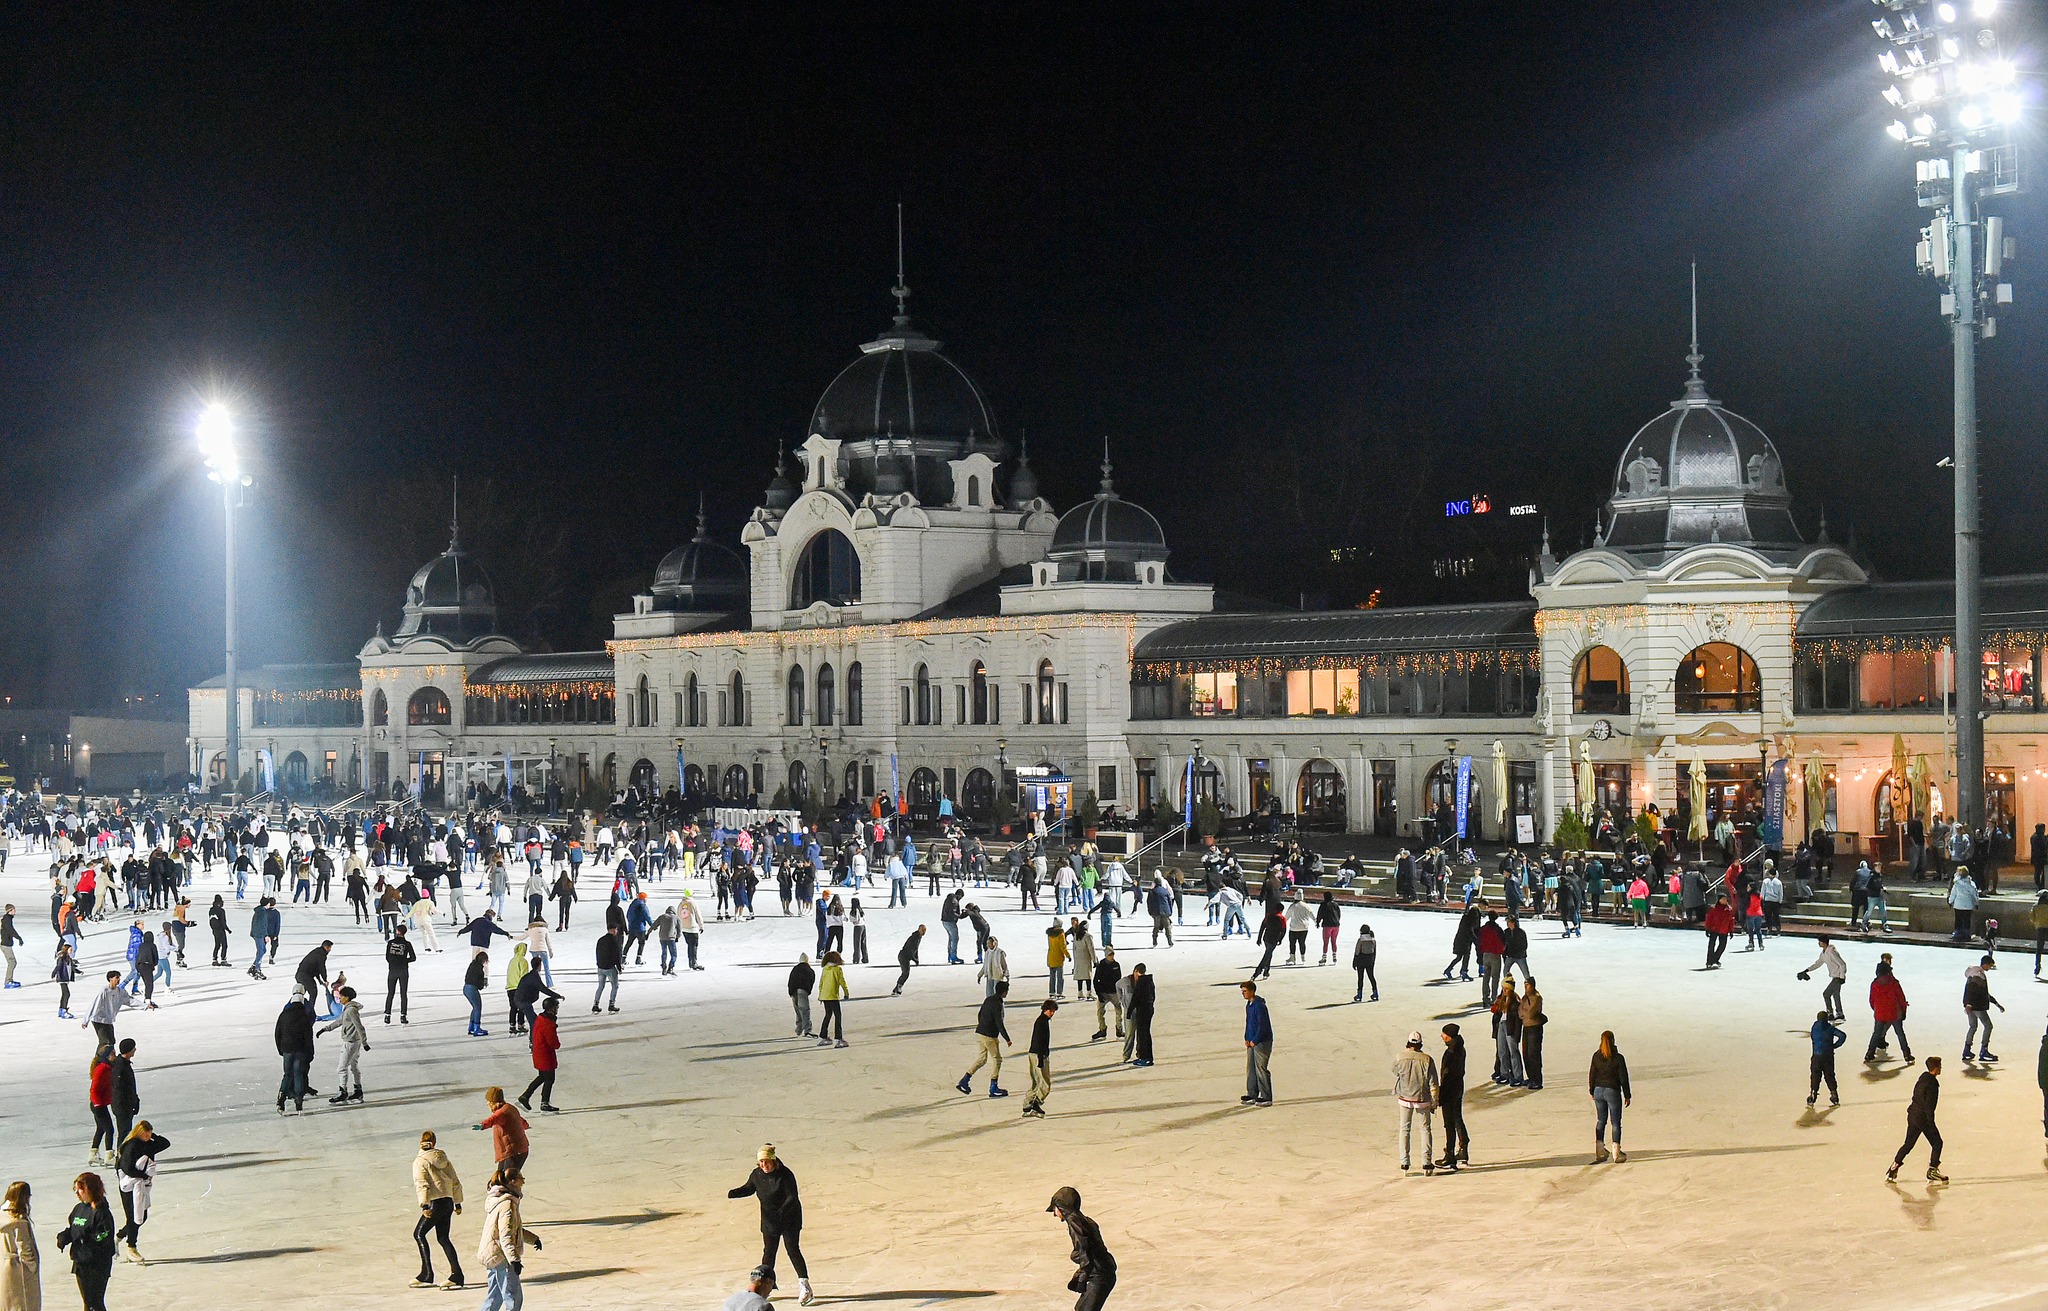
[966, 1087]
[995, 1090]
[804, 1294]
[1935, 1176]
[421, 1283]
[1599, 1153]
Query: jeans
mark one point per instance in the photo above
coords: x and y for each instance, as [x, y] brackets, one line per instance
[1489, 976]
[1521, 963]
[1410, 1117]
[1258, 1073]
[952, 928]
[668, 955]
[397, 985]
[538, 962]
[606, 977]
[1235, 915]
[1457, 1142]
[1831, 998]
[476, 1005]
[1365, 975]
[1753, 925]
[801, 1002]
[1507, 1056]
[1056, 983]
[1976, 1018]
[690, 942]
[501, 1289]
[1877, 1039]
[1606, 1105]
[261, 943]
[293, 1085]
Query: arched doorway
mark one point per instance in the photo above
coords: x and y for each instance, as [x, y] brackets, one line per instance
[693, 780]
[799, 783]
[924, 793]
[978, 794]
[735, 782]
[1319, 796]
[380, 710]
[1440, 793]
[294, 774]
[643, 778]
[428, 706]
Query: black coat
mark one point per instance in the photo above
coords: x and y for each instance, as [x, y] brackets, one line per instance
[801, 978]
[1089, 1252]
[609, 950]
[1144, 994]
[782, 1210]
[1450, 1072]
[127, 1098]
[294, 1031]
[1926, 1094]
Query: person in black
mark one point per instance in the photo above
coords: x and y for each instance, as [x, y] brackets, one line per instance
[782, 1213]
[132, 1166]
[1450, 1082]
[217, 921]
[1107, 975]
[1272, 932]
[398, 959]
[313, 969]
[1920, 1123]
[89, 1237]
[801, 979]
[294, 1036]
[127, 1097]
[145, 968]
[1144, 997]
[907, 957]
[1095, 1269]
[357, 889]
[10, 937]
[1038, 1056]
[989, 1026]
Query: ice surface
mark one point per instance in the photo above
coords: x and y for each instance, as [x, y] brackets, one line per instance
[1735, 1195]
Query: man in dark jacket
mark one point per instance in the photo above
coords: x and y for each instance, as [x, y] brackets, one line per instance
[1095, 1269]
[127, 1098]
[1107, 974]
[907, 957]
[482, 929]
[801, 980]
[611, 954]
[313, 969]
[398, 959]
[1144, 998]
[294, 1035]
[1038, 1058]
[782, 1213]
[1920, 1123]
[989, 1026]
[1450, 1082]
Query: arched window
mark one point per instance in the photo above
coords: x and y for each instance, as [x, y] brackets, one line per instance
[852, 779]
[735, 782]
[217, 768]
[1440, 798]
[380, 710]
[643, 704]
[924, 790]
[979, 698]
[1045, 692]
[736, 714]
[827, 695]
[295, 771]
[795, 709]
[1319, 796]
[853, 694]
[429, 705]
[973, 490]
[827, 570]
[978, 793]
[1600, 683]
[693, 780]
[644, 778]
[692, 716]
[799, 783]
[922, 698]
[1718, 678]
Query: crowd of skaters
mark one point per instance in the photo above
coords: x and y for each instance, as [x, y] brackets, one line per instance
[402, 868]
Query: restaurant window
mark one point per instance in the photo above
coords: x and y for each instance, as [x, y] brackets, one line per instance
[1897, 680]
[429, 705]
[1717, 678]
[1322, 691]
[1213, 694]
[1823, 683]
[2011, 679]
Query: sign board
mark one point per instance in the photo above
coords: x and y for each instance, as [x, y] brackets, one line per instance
[1464, 793]
[1525, 830]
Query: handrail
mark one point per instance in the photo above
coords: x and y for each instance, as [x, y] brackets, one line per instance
[1138, 856]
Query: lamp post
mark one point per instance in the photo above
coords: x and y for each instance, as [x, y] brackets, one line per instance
[1003, 768]
[1957, 97]
[824, 770]
[216, 432]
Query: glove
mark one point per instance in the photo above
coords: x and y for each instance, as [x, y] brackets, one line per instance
[518, 1266]
[1802, 976]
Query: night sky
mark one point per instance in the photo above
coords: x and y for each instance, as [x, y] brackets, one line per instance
[1313, 271]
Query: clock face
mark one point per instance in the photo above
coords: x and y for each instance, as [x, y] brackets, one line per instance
[1602, 730]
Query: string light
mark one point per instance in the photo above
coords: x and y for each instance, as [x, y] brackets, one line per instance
[1395, 665]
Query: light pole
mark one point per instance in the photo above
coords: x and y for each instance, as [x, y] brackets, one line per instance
[216, 432]
[825, 771]
[1958, 96]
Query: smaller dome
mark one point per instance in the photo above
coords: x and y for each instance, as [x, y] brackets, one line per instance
[701, 575]
[782, 488]
[451, 597]
[1104, 538]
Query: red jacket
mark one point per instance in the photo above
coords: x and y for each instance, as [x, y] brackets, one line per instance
[1720, 919]
[1887, 999]
[508, 1130]
[1490, 941]
[546, 1042]
[102, 1093]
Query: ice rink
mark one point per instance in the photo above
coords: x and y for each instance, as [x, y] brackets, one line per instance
[1736, 1195]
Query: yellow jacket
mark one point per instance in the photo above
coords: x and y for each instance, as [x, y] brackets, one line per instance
[832, 984]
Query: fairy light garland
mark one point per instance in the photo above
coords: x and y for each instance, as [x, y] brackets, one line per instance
[2021, 640]
[1376, 664]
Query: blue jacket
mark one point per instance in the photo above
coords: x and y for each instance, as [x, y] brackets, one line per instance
[1826, 1037]
[1160, 899]
[134, 942]
[638, 920]
[1258, 1025]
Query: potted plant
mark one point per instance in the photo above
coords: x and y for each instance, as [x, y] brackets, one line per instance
[1570, 832]
[1005, 815]
[1089, 813]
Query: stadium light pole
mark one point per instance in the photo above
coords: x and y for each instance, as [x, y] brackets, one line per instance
[1956, 96]
[216, 431]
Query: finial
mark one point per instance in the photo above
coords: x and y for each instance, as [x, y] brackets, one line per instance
[901, 291]
[1546, 534]
[1108, 488]
[703, 521]
[454, 510]
[1823, 525]
[1695, 386]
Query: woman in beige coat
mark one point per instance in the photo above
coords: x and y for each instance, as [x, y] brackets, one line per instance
[21, 1279]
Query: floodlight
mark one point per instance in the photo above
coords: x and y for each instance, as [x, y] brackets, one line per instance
[2007, 109]
[1971, 116]
[1884, 29]
[1924, 125]
[1896, 131]
[1889, 62]
[1945, 12]
[1912, 20]
[1951, 48]
[1917, 57]
[2002, 71]
[1925, 88]
[1984, 8]
[1893, 98]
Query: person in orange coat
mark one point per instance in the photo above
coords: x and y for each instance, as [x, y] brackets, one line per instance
[1720, 927]
[509, 1147]
[547, 1041]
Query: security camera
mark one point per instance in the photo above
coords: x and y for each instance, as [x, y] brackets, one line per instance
[1945, 462]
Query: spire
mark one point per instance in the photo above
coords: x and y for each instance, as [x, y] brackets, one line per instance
[454, 511]
[1823, 525]
[1108, 488]
[1023, 482]
[1695, 386]
[703, 521]
[901, 291]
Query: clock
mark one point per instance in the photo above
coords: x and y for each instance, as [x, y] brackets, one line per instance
[1601, 730]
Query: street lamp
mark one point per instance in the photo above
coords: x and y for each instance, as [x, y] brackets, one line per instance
[1003, 768]
[1957, 97]
[824, 770]
[216, 433]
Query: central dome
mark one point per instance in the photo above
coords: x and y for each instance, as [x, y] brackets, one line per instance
[1700, 473]
[902, 411]
[450, 596]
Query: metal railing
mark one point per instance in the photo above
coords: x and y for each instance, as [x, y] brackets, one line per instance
[1138, 856]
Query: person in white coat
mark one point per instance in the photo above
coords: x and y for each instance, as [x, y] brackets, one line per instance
[691, 921]
[539, 947]
[422, 917]
[501, 1249]
[995, 968]
[21, 1274]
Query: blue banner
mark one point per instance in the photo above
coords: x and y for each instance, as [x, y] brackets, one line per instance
[680, 775]
[1772, 831]
[1187, 794]
[895, 785]
[1464, 793]
[269, 770]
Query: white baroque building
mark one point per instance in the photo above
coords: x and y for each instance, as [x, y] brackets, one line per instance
[910, 617]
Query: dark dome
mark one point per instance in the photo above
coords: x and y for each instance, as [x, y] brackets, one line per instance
[701, 575]
[450, 596]
[902, 387]
[1108, 523]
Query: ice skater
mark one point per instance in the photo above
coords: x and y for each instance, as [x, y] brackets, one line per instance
[1450, 1095]
[1416, 1091]
[832, 991]
[1838, 974]
[1826, 1039]
[906, 959]
[1607, 1084]
[1365, 951]
[989, 1026]
[547, 1045]
[782, 1216]
[440, 1192]
[355, 1040]
[1920, 1124]
[1977, 1004]
[1038, 1059]
[1258, 1047]
[1095, 1269]
[801, 977]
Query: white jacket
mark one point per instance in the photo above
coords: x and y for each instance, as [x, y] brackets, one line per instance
[504, 1237]
[688, 916]
[433, 1175]
[995, 966]
[537, 941]
[21, 1280]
